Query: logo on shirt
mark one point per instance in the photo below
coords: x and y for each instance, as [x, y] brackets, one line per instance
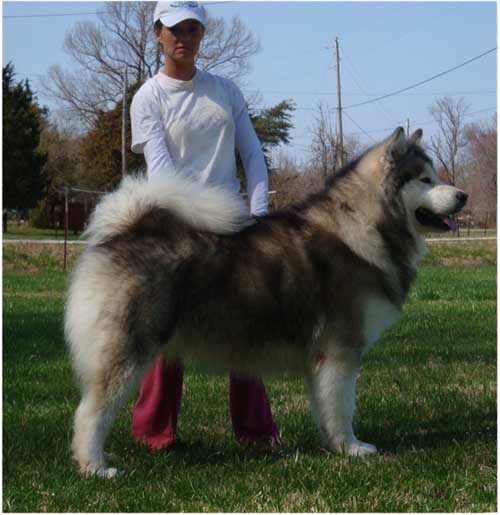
[189, 5]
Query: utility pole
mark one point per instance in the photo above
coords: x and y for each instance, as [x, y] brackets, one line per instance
[124, 124]
[340, 150]
[407, 127]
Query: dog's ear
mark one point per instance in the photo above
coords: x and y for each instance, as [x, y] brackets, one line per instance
[416, 137]
[396, 144]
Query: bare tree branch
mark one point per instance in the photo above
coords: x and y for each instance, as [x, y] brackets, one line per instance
[227, 50]
[449, 115]
[480, 167]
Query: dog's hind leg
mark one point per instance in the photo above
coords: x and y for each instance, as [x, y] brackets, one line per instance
[331, 384]
[104, 392]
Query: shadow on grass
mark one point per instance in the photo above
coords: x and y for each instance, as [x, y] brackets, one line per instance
[398, 438]
[40, 333]
[437, 432]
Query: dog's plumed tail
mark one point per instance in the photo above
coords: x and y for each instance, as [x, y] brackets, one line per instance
[204, 207]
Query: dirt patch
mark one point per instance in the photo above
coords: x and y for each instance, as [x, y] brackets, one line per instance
[465, 253]
[34, 257]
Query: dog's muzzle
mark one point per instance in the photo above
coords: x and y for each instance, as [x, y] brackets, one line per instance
[442, 222]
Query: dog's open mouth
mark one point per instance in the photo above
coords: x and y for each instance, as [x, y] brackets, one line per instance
[430, 219]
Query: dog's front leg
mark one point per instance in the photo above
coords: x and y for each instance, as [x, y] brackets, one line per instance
[331, 385]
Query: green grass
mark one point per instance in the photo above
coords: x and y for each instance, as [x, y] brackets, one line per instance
[426, 397]
[16, 231]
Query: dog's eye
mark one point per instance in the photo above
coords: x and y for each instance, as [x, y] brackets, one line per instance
[426, 180]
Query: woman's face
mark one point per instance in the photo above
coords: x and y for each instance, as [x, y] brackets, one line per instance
[182, 41]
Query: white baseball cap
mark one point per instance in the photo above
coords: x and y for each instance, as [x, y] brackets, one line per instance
[172, 13]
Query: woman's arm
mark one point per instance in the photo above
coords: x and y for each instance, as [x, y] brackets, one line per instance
[148, 133]
[157, 156]
[250, 150]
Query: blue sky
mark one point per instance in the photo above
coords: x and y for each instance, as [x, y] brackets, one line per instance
[385, 46]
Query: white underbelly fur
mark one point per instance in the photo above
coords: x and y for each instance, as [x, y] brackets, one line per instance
[379, 314]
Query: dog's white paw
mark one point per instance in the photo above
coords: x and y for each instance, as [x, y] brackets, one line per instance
[354, 447]
[100, 471]
[359, 448]
[107, 472]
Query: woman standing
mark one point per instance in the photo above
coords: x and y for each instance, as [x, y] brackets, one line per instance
[190, 122]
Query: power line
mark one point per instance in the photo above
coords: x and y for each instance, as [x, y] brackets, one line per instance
[317, 93]
[423, 81]
[366, 93]
[320, 93]
[324, 93]
[387, 129]
[360, 128]
[51, 15]
[299, 108]
[427, 122]
[48, 15]
[353, 75]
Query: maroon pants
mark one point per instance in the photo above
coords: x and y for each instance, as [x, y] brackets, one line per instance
[154, 421]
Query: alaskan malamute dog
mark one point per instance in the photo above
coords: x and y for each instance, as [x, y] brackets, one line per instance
[179, 267]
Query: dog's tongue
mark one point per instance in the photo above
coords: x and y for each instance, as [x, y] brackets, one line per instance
[448, 220]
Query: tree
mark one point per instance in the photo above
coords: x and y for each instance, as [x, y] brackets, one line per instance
[292, 183]
[60, 170]
[123, 39]
[325, 146]
[481, 167]
[449, 115]
[101, 147]
[273, 125]
[22, 161]
[227, 49]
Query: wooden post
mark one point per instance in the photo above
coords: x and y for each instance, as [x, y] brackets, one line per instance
[66, 224]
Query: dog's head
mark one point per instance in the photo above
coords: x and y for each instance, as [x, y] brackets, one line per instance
[409, 174]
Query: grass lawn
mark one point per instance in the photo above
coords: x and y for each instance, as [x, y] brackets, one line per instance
[16, 231]
[426, 397]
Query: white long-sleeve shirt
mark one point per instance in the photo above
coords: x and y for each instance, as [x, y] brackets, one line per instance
[193, 128]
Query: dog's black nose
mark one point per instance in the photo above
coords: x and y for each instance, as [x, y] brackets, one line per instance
[462, 197]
